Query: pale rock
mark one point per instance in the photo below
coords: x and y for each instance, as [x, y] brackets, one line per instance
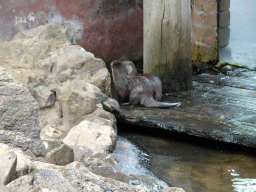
[44, 96]
[37, 43]
[59, 153]
[102, 80]
[24, 164]
[93, 135]
[51, 83]
[43, 178]
[101, 114]
[50, 133]
[77, 99]
[111, 105]
[75, 57]
[172, 189]
[51, 116]
[66, 75]
[19, 116]
[8, 163]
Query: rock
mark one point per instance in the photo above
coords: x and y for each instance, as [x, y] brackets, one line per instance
[8, 163]
[81, 152]
[77, 99]
[66, 75]
[172, 189]
[75, 57]
[93, 135]
[44, 96]
[43, 178]
[111, 105]
[101, 115]
[106, 166]
[50, 133]
[100, 78]
[51, 116]
[58, 153]
[24, 164]
[93, 182]
[19, 121]
[32, 44]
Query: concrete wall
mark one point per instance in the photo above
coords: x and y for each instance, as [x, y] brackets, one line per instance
[108, 28]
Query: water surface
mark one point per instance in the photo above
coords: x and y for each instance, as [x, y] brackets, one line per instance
[196, 164]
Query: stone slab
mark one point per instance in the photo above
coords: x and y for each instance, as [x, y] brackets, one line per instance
[221, 108]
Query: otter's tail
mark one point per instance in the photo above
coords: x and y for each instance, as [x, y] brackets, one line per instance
[150, 102]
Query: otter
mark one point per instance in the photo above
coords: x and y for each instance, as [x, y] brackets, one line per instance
[137, 88]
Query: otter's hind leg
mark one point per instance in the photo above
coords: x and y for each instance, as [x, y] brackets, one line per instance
[135, 95]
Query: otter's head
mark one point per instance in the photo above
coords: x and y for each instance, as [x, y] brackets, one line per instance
[118, 68]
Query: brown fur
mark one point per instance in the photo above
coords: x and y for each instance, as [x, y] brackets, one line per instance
[136, 88]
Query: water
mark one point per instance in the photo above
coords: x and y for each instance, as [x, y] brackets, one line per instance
[195, 164]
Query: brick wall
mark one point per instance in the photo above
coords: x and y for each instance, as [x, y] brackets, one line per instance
[204, 19]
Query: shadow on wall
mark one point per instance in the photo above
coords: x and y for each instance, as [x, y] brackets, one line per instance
[109, 29]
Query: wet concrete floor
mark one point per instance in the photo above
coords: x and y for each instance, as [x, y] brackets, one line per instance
[220, 107]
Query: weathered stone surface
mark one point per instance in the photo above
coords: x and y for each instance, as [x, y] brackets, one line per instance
[111, 105]
[224, 5]
[93, 135]
[103, 116]
[224, 36]
[224, 18]
[220, 108]
[94, 182]
[78, 98]
[32, 44]
[19, 121]
[66, 75]
[8, 163]
[58, 153]
[50, 133]
[44, 178]
[75, 57]
[172, 189]
[24, 164]
[102, 80]
[44, 96]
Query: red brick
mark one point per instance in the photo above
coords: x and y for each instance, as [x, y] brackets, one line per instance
[207, 6]
[205, 35]
[205, 19]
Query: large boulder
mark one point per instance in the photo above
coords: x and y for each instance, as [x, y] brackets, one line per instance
[96, 136]
[19, 115]
[77, 99]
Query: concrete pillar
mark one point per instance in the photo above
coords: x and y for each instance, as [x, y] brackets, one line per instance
[167, 42]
